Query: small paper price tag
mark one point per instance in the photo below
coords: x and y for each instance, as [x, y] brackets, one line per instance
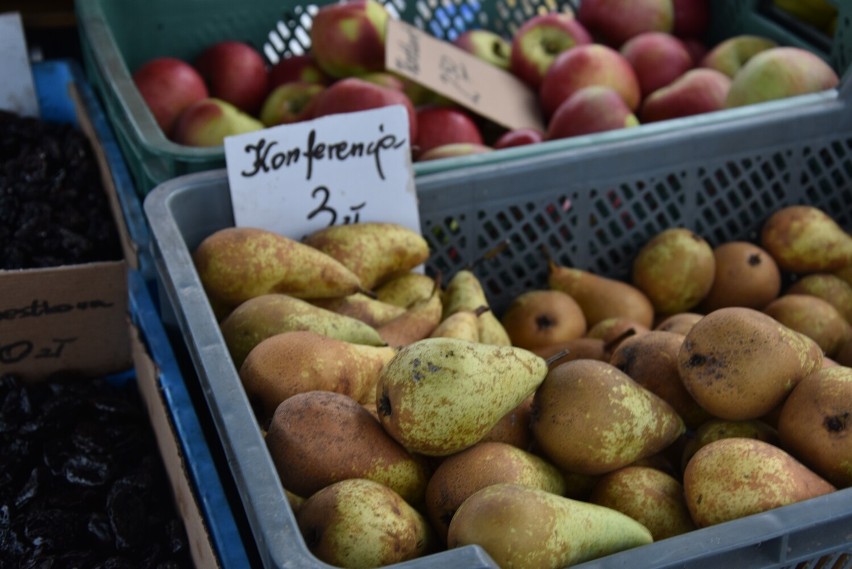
[17, 90]
[334, 170]
[458, 75]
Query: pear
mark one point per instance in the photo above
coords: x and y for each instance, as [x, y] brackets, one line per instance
[679, 323]
[317, 438]
[829, 287]
[438, 396]
[514, 427]
[481, 465]
[736, 477]
[526, 527]
[587, 348]
[806, 239]
[812, 316]
[374, 251]
[746, 275]
[463, 324]
[845, 273]
[403, 290]
[739, 363]
[649, 496]
[465, 292]
[238, 263]
[263, 316]
[538, 318]
[614, 330]
[650, 359]
[362, 524]
[815, 420]
[600, 297]
[294, 362]
[418, 321]
[714, 429]
[362, 307]
[675, 269]
[591, 418]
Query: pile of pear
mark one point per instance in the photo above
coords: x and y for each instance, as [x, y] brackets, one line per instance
[594, 415]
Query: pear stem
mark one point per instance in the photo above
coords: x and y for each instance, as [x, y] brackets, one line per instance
[489, 254]
[617, 340]
[557, 356]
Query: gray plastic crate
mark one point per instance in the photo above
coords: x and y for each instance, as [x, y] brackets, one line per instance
[593, 207]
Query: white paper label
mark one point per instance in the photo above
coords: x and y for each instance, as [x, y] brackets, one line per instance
[17, 90]
[346, 168]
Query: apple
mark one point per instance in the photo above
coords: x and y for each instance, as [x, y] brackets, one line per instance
[301, 68]
[691, 18]
[539, 40]
[454, 150]
[585, 65]
[658, 58]
[595, 108]
[207, 122]
[699, 90]
[486, 45]
[355, 94]
[778, 73]
[613, 22]
[235, 72]
[348, 38]
[385, 79]
[729, 55]
[290, 102]
[518, 137]
[168, 85]
[440, 125]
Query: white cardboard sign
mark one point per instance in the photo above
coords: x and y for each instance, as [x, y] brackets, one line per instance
[17, 90]
[346, 168]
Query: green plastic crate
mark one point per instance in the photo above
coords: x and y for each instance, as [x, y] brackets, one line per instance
[118, 36]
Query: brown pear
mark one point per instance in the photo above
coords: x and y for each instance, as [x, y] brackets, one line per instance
[294, 362]
[649, 496]
[675, 269]
[650, 359]
[514, 427]
[614, 330]
[361, 307]
[829, 287]
[806, 239]
[732, 478]
[739, 363]
[715, 429]
[591, 418]
[464, 292]
[417, 322]
[578, 348]
[845, 273]
[746, 275]
[812, 316]
[601, 297]
[463, 324]
[318, 438]
[816, 421]
[538, 318]
[679, 323]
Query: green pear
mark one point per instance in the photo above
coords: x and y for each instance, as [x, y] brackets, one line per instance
[485, 463]
[732, 478]
[263, 316]
[463, 324]
[812, 316]
[729, 55]
[362, 524]
[806, 239]
[715, 429]
[438, 396]
[238, 263]
[526, 527]
[317, 438]
[599, 297]
[591, 418]
[828, 286]
[374, 251]
[739, 363]
[465, 292]
[416, 322]
[403, 290]
[675, 269]
[362, 307]
[293, 362]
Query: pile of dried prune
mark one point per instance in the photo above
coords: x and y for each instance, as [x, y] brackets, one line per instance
[82, 482]
[53, 208]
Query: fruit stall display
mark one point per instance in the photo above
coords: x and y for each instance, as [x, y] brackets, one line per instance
[653, 67]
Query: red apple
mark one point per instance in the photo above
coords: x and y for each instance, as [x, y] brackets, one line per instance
[348, 37]
[591, 109]
[729, 55]
[207, 122]
[169, 85]
[300, 68]
[613, 22]
[539, 40]
[355, 94]
[454, 150]
[699, 90]
[235, 72]
[518, 137]
[487, 45]
[585, 65]
[691, 18]
[290, 102]
[658, 58]
[439, 125]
